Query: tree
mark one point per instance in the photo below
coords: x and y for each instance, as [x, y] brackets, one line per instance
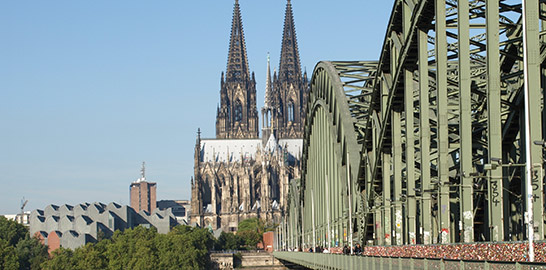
[250, 238]
[251, 224]
[11, 231]
[8, 256]
[229, 241]
[252, 230]
[62, 259]
[192, 246]
[17, 245]
[91, 256]
[133, 249]
[31, 253]
[140, 248]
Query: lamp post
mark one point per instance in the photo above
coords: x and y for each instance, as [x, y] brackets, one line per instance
[528, 161]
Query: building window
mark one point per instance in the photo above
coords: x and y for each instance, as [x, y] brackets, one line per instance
[238, 111]
[290, 111]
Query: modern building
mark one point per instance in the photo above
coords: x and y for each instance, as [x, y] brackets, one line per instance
[21, 218]
[73, 226]
[179, 208]
[239, 175]
[143, 193]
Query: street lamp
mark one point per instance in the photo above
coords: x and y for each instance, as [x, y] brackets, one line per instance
[528, 161]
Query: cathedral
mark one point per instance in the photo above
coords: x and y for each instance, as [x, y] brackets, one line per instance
[239, 175]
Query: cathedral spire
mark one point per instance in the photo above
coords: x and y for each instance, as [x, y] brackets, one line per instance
[289, 67]
[269, 105]
[289, 87]
[237, 66]
[267, 100]
[238, 115]
[197, 154]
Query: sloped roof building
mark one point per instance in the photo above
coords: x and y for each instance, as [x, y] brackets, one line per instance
[75, 226]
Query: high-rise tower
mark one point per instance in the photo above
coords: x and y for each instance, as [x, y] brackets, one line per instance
[237, 115]
[143, 193]
[289, 93]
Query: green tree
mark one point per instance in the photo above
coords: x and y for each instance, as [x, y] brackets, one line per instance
[91, 256]
[133, 249]
[31, 253]
[177, 252]
[11, 231]
[251, 224]
[181, 230]
[8, 256]
[250, 238]
[192, 246]
[62, 259]
[141, 249]
[229, 241]
[252, 230]
[117, 252]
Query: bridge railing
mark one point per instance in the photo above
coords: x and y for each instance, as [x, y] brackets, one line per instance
[340, 261]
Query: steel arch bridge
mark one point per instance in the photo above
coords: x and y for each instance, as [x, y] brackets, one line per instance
[433, 143]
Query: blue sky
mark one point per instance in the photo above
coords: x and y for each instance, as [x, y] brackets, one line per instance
[90, 89]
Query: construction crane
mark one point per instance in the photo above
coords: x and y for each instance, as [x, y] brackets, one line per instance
[23, 204]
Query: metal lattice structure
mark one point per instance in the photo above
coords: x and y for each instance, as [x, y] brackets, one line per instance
[428, 144]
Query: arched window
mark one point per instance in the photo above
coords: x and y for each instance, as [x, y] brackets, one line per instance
[207, 194]
[238, 117]
[290, 111]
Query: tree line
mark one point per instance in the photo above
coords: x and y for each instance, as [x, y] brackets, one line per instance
[184, 247]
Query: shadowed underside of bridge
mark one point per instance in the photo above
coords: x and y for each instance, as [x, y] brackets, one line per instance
[428, 144]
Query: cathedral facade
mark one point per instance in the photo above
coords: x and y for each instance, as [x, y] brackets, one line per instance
[239, 175]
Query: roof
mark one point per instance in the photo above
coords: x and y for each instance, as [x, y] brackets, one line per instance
[293, 146]
[231, 150]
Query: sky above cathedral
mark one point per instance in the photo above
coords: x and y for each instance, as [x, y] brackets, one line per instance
[91, 89]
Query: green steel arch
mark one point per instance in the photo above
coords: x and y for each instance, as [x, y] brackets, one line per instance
[339, 97]
[440, 141]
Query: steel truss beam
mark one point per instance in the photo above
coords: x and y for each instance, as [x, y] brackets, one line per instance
[427, 145]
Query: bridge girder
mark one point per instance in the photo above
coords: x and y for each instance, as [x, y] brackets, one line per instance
[427, 145]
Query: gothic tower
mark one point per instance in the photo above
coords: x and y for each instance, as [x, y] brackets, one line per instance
[269, 107]
[237, 115]
[289, 94]
[196, 201]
